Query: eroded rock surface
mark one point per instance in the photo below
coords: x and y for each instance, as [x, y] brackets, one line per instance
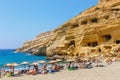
[96, 30]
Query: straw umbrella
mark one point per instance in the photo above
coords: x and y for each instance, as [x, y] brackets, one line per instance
[13, 65]
[7, 65]
[25, 63]
[42, 62]
[85, 59]
[58, 60]
[70, 60]
[52, 62]
[34, 63]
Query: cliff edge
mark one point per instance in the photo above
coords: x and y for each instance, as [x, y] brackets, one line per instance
[94, 31]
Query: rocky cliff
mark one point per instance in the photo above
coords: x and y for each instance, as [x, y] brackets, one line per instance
[94, 31]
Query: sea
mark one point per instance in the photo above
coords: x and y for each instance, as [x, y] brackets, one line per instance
[9, 56]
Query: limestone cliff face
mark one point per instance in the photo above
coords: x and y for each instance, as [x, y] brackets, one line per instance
[39, 45]
[94, 30]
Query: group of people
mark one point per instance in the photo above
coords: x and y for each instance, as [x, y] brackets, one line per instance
[54, 67]
[6, 73]
[82, 65]
[45, 70]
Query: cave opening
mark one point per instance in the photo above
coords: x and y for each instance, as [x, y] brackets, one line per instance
[75, 26]
[93, 44]
[72, 55]
[84, 22]
[97, 8]
[60, 54]
[117, 9]
[117, 41]
[99, 50]
[89, 44]
[94, 20]
[107, 37]
[72, 43]
[77, 55]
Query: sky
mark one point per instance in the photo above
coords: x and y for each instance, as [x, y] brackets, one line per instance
[23, 20]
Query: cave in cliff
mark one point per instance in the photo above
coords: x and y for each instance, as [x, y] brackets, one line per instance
[91, 30]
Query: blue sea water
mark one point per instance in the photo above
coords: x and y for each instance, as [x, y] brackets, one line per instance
[9, 56]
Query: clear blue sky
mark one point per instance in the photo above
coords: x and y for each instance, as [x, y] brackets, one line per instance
[22, 20]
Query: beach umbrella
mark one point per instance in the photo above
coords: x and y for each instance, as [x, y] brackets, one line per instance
[25, 63]
[13, 65]
[8, 66]
[94, 55]
[70, 60]
[52, 62]
[34, 63]
[85, 59]
[42, 62]
[58, 60]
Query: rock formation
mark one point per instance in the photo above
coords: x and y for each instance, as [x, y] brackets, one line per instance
[94, 31]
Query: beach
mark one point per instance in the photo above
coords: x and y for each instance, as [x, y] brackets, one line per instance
[83, 47]
[109, 72]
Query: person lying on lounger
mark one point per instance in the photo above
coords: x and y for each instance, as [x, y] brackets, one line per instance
[33, 72]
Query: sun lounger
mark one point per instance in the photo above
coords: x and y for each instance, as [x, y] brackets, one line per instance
[33, 72]
[51, 71]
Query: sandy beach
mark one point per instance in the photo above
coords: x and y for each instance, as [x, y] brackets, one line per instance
[110, 72]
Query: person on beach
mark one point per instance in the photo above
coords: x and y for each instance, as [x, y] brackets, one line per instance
[36, 68]
[0, 73]
[33, 72]
[44, 69]
[8, 74]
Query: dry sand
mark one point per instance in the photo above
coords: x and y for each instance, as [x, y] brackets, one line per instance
[110, 72]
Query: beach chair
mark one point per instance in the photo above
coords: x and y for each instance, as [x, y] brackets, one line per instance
[51, 71]
[45, 71]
